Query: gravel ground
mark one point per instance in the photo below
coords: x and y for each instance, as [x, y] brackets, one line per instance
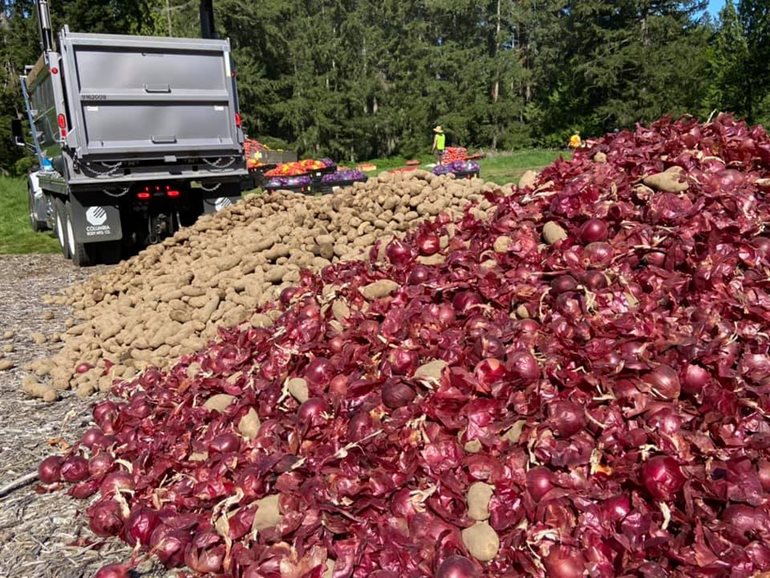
[41, 535]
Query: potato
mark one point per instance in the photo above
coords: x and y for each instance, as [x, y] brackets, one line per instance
[553, 233]
[379, 289]
[297, 387]
[6, 364]
[249, 425]
[219, 402]
[482, 541]
[268, 513]
[672, 180]
[479, 495]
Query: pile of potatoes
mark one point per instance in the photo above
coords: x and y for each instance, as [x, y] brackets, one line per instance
[168, 300]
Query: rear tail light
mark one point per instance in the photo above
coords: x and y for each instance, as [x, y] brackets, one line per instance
[172, 193]
[143, 195]
[238, 119]
[61, 120]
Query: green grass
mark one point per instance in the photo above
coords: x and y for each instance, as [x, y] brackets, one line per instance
[497, 167]
[16, 235]
[507, 167]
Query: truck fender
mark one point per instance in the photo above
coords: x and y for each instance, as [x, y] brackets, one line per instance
[95, 221]
[38, 204]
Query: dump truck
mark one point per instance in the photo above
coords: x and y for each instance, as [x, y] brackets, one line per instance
[136, 136]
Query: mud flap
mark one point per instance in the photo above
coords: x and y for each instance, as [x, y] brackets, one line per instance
[225, 196]
[95, 223]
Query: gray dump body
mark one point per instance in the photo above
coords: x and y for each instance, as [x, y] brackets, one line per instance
[137, 108]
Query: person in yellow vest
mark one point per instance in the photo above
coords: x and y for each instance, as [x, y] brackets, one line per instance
[574, 141]
[439, 142]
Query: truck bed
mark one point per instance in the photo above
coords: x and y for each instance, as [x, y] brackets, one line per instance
[147, 97]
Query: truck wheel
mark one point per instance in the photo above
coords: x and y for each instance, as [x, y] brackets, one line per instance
[36, 225]
[60, 227]
[79, 252]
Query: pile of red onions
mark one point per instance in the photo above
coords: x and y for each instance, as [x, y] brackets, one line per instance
[611, 391]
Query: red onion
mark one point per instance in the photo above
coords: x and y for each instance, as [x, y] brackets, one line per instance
[489, 346]
[594, 280]
[169, 545]
[524, 366]
[116, 482]
[597, 255]
[489, 371]
[566, 418]
[339, 385]
[397, 394]
[403, 361]
[664, 381]
[204, 561]
[563, 284]
[105, 518]
[336, 343]
[74, 469]
[100, 464]
[93, 438]
[399, 253]
[539, 482]
[745, 523]
[662, 477]
[764, 474]
[49, 470]
[465, 301]
[319, 372]
[287, 295]
[457, 567]
[428, 244]
[106, 416]
[420, 274]
[84, 489]
[140, 525]
[225, 443]
[564, 562]
[311, 412]
[616, 508]
[83, 367]
[360, 425]
[695, 379]
[593, 230]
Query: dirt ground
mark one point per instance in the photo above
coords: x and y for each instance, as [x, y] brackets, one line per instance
[42, 535]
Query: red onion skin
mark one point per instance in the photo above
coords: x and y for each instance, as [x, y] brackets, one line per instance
[764, 474]
[403, 361]
[113, 571]
[49, 470]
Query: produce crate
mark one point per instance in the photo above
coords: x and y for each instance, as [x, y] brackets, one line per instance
[326, 188]
[277, 157]
[293, 188]
[466, 174]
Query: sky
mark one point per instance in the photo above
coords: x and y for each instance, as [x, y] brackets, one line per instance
[715, 6]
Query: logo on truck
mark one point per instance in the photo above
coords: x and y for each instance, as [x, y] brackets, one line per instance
[221, 203]
[96, 216]
[96, 225]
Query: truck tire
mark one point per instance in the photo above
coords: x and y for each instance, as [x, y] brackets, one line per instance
[36, 225]
[60, 226]
[80, 253]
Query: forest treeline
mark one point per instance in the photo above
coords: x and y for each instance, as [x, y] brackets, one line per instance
[357, 79]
